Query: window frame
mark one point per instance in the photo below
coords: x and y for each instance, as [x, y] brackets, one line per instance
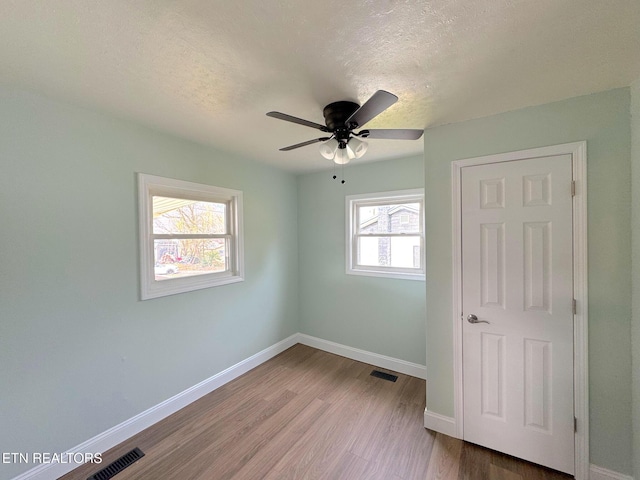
[352, 203]
[153, 185]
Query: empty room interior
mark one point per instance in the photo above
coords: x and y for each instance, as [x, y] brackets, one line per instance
[387, 240]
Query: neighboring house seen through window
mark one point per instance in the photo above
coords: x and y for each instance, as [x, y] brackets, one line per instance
[385, 234]
[190, 236]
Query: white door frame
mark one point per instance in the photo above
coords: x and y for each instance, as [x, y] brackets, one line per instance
[578, 152]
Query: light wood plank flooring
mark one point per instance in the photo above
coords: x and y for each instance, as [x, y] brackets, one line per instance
[308, 414]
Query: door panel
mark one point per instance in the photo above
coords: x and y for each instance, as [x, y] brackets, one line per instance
[492, 379]
[537, 388]
[537, 266]
[517, 276]
[492, 264]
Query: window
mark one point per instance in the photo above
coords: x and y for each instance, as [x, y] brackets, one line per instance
[190, 236]
[385, 234]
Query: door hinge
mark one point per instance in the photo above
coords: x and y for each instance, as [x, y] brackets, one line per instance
[575, 425]
[573, 188]
[574, 306]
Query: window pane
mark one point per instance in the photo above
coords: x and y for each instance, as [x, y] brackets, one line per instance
[176, 216]
[396, 218]
[184, 258]
[389, 251]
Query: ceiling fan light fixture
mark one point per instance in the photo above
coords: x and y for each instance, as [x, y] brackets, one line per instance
[357, 147]
[342, 156]
[328, 149]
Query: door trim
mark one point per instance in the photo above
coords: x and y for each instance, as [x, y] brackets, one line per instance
[578, 152]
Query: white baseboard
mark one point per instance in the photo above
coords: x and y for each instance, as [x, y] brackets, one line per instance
[127, 429]
[440, 423]
[382, 361]
[599, 473]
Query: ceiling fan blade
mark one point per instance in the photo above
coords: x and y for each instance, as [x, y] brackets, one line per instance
[299, 121]
[378, 103]
[392, 133]
[304, 144]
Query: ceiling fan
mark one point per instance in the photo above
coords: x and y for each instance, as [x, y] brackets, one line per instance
[341, 119]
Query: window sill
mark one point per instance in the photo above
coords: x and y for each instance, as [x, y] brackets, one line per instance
[157, 289]
[378, 273]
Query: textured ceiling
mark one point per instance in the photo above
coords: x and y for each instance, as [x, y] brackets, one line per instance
[210, 70]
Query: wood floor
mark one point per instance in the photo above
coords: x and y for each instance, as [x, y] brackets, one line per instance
[308, 414]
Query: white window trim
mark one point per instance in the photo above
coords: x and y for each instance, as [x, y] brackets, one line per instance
[149, 185]
[415, 195]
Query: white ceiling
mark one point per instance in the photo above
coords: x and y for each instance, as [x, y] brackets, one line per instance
[210, 70]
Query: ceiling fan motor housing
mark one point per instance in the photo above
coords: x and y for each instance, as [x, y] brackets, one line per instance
[337, 113]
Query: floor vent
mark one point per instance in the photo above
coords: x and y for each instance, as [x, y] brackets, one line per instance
[384, 376]
[119, 465]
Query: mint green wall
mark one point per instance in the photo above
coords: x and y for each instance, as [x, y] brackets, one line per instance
[635, 225]
[603, 121]
[69, 289]
[79, 352]
[381, 315]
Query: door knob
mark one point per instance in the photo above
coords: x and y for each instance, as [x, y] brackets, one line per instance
[471, 318]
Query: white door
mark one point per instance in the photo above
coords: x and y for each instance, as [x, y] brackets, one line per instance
[517, 265]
